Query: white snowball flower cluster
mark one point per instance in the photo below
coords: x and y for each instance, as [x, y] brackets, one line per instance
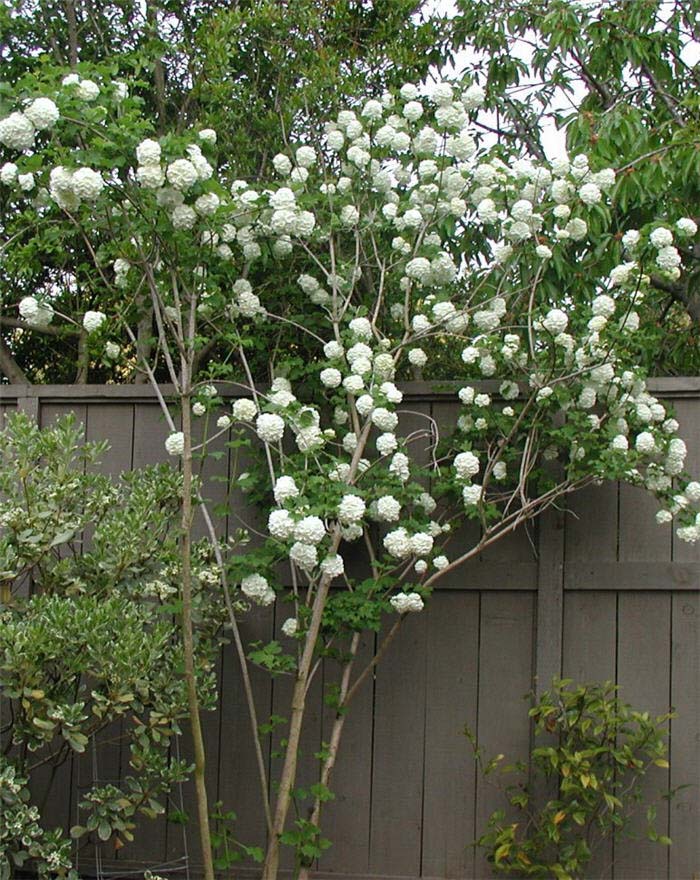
[92, 321]
[405, 603]
[17, 132]
[257, 589]
[42, 113]
[175, 443]
[35, 312]
[269, 427]
[284, 489]
[466, 465]
[244, 409]
[351, 509]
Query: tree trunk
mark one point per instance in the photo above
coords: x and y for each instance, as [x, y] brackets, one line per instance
[188, 637]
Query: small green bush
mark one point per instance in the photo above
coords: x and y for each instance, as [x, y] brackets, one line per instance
[583, 783]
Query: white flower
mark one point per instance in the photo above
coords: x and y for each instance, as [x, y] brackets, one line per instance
[413, 111]
[521, 210]
[405, 603]
[349, 215]
[472, 494]
[351, 509]
[556, 321]
[183, 217]
[421, 544]
[500, 470]
[182, 174]
[361, 327]
[112, 350]
[692, 492]
[8, 173]
[440, 562]
[284, 489]
[280, 524]
[28, 308]
[350, 441]
[175, 443]
[391, 392]
[207, 136]
[388, 508]
[257, 589]
[310, 530]
[87, 90]
[71, 79]
[42, 113]
[427, 502]
[290, 626]
[466, 464]
[93, 321]
[121, 90]
[384, 419]
[419, 269]
[386, 443]
[148, 152]
[417, 357]
[269, 427]
[207, 204]
[331, 378]
[590, 194]
[645, 443]
[283, 199]
[668, 258]
[282, 164]
[473, 97]
[333, 566]
[400, 466]
[304, 555]
[87, 184]
[664, 516]
[244, 409]
[482, 400]
[603, 305]
[631, 239]
[398, 543]
[661, 237]
[150, 176]
[543, 252]
[223, 422]
[335, 140]
[576, 228]
[686, 226]
[306, 157]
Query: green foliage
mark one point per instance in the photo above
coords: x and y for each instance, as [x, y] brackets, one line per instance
[591, 755]
[227, 850]
[88, 572]
[615, 77]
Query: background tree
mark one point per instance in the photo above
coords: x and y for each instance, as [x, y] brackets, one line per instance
[621, 79]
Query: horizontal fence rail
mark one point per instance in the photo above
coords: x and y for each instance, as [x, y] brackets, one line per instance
[597, 592]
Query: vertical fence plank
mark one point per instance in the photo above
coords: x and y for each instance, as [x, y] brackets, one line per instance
[685, 684]
[397, 777]
[451, 699]
[550, 598]
[239, 784]
[644, 630]
[505, 678]
[685, 736]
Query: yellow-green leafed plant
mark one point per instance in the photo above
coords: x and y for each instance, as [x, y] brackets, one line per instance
[584, 782]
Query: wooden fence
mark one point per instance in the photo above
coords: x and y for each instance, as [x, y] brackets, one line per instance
[600, 592]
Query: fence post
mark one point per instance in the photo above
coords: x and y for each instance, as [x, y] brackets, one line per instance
[550, 598]
[29, 404]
